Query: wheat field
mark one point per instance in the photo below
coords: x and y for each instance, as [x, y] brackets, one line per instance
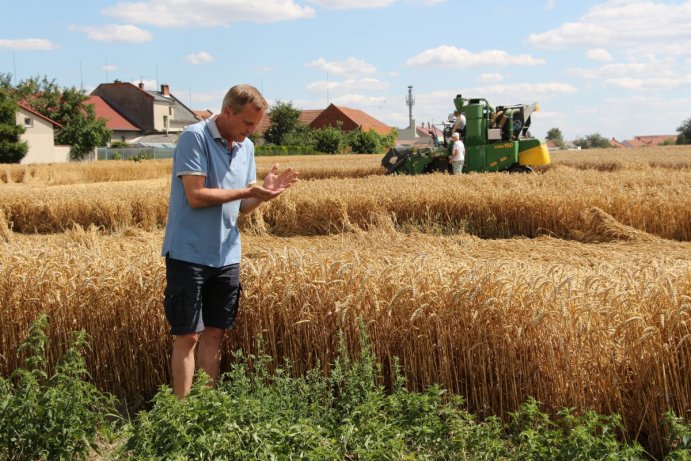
[572, 285]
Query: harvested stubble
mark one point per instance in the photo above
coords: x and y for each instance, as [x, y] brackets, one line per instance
[603, 326]
[556, 202]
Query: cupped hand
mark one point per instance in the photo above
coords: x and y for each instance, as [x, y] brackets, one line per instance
[278, 182]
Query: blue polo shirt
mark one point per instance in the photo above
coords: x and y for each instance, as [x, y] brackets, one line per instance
[209, 235]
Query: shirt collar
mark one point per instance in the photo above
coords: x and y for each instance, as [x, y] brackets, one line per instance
[213, 129]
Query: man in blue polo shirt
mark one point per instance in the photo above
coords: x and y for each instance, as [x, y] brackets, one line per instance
[213, 180]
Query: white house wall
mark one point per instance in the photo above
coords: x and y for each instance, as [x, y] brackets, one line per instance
[39, 136]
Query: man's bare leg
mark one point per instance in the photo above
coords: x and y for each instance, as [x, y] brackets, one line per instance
[182, 363]
[209, 353]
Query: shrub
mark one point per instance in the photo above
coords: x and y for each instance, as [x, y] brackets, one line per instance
[54, 417]
[329, 140]
[365, 142]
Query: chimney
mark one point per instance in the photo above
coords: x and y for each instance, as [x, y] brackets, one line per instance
[165, 90]
[141, 85]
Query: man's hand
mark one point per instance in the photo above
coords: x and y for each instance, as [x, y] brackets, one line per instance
[274, 184]
[279, 182]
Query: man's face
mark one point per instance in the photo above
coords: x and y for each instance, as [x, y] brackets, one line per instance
[242, 124]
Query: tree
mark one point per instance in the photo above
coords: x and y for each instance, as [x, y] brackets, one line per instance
[592, 141]
[554, 134]
[329, 140]
[12, 149]
[284, 119]
[365, 142]
[81, 129]
[684, 132]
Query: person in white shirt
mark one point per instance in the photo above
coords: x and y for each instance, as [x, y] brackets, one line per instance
[457, 154]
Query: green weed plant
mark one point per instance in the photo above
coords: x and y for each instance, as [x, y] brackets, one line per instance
[52, 417]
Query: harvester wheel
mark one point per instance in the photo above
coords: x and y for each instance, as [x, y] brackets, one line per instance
[520, 169]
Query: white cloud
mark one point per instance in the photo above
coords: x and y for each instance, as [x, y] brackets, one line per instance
[115, 33]
[27, 44]
[199, 58]
[357, 100]
[446, 56]
[349, 66]
[599, 54]
[207, 13]
[651, 74]
[363, 84]
[623, 23]
[490, 77]
[650, 83]
[426, 2]
[352, 4]
[148, 84]
[549, 6]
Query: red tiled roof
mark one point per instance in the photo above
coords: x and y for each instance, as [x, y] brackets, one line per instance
[203, 114]
[306, 117]
[655, 139]
[28, 108]
[114, 120]
[365, 121]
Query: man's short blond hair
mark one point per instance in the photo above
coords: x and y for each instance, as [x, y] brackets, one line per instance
[240, 95]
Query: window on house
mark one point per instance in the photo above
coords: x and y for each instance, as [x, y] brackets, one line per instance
[28, 122]
[170, 110]
[122, 138]
[165, 120]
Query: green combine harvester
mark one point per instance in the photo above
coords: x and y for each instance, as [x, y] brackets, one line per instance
[495, 139]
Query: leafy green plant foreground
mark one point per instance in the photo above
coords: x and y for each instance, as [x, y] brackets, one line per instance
[256, 413]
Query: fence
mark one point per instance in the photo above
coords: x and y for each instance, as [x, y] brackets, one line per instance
[133, 153]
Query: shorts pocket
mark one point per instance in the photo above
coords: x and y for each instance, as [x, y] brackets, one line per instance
[173, 305]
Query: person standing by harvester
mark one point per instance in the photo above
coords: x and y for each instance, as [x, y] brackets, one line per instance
[213, 180]
[457, 153]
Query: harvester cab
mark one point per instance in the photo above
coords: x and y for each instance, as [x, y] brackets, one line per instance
[495, 139]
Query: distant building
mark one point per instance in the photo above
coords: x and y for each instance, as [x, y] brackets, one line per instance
[154, 112]
[122, 129]
[645, 141]
[39, 134]
[203, 114]
[349, 120]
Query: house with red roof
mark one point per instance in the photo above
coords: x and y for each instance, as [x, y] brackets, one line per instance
[39, 134]
[349, 120]
[153, 112]
[645, 141]
[122, 129]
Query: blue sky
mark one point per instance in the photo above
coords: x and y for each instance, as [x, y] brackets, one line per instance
[616, 67]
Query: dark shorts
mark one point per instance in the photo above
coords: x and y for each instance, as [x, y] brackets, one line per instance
[199, 296]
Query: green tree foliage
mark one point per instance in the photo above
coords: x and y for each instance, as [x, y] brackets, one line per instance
[81, 129]
[329, 140]
[12, 149]
[284, 119]
[592, 141]
[684, 132]
[554, 134]
[365, 142]
[301, 135]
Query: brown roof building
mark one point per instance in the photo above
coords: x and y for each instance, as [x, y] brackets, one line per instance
[349, 119]
[645, 141]
[122, 129]
[203, 114]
